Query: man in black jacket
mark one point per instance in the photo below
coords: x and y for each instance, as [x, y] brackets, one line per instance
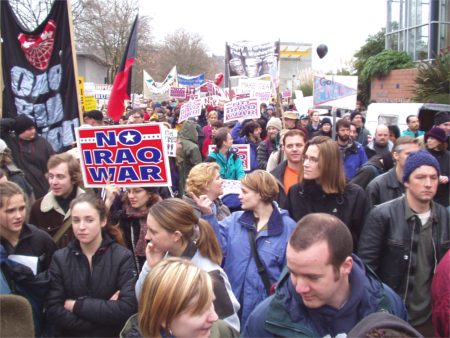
[389, 185]
[404, 239]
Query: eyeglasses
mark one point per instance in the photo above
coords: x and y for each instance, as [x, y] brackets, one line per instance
[311, 159]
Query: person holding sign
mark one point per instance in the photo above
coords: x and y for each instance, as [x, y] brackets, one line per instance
[248, 132]
[130, 210]
[230, 164]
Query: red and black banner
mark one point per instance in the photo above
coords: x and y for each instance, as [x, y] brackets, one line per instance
[121, 90]
[38, 73]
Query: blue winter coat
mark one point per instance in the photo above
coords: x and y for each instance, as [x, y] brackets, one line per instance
[285, 315]
[354, 158]
[239, 263]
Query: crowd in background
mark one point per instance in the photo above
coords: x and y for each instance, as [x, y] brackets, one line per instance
[324, 233]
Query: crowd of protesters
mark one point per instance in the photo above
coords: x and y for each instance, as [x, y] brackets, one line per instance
[323, 236]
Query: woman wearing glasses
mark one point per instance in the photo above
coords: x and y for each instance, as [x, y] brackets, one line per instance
[323, 187]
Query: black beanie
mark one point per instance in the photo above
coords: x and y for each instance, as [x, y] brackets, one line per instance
[353, 114]
[22, 123]
[441, 117]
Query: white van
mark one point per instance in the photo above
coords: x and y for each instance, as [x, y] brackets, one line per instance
[396, 114]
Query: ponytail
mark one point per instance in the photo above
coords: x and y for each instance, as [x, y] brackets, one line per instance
[207, 242]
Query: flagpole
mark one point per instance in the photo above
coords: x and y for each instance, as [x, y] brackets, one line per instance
[74, 60]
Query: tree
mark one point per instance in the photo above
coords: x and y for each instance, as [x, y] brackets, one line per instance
[433, 80]
[31, 13]
[374, 45]
[106, 28]
[381, 64]
[186, 51]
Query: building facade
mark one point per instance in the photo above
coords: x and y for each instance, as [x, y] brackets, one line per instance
[421, 28]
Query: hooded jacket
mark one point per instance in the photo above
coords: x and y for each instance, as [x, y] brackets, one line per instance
[239, 263]
[31, 157]
[94, 314]
[354, 158]
[190, 154]
[285, 315]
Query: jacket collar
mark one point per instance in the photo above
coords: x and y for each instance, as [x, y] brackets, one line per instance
[49, 202]
[274, 226]
[393, 182]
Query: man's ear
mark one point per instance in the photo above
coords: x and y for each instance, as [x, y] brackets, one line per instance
[346, 267]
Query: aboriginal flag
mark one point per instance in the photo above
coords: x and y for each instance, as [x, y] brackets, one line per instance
[122, 82]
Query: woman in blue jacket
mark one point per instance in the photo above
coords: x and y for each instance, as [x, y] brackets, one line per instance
[261, 223]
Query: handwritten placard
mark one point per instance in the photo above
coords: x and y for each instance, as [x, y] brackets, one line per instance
[191, 108]
[242, 109]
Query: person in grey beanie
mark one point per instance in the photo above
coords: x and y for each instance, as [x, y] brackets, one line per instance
[403, 240]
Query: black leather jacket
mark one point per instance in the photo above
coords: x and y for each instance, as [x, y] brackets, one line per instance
[386, 241]
[384, 188]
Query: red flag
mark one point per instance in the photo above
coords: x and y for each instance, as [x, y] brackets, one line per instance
[122, 82]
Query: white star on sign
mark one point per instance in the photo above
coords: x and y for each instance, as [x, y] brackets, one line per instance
[129, 137]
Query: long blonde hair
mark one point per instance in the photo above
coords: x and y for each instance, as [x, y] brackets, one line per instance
[174, 286]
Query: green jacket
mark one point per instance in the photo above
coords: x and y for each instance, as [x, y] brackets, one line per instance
[231, 167]
[190, 154]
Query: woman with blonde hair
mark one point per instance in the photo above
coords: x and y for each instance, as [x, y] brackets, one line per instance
[173, 229]
[253, 241]
[323, 187]
[204, 179]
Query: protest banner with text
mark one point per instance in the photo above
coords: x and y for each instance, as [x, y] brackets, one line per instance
[242, 109]
[192, 108]
[128, 155]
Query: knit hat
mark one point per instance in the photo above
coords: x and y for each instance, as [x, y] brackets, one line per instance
[417, 159]
[324, 121]
[383, 324]
[353, 114]
[274, 122]
[22, 123]
[441, 117]
[437, 133]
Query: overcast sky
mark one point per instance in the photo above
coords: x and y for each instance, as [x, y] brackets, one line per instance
[343, 25]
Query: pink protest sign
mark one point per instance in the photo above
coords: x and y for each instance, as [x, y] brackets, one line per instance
[178, 92]
[192, 108]
[128, 155]
[242, 109]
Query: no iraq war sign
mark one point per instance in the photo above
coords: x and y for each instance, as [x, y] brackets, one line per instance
[130, 155]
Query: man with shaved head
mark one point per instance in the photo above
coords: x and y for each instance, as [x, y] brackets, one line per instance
[380, 144]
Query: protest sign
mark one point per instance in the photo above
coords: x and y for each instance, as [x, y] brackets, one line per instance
[231, 187]
[241, 150]
[178, 92]
[336, 91]
[262, 96]
[242, 109]
[192, 108]
[286, 94]
[170, 136]
[128, 155]
[251, 85]
[191, 80]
